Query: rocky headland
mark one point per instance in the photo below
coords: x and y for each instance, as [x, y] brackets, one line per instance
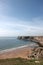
[36, 52]
[36, 39]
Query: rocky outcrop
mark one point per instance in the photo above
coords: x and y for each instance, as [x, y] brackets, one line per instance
[23, 37]
[40, 40]
[37, 53]
[36, 39]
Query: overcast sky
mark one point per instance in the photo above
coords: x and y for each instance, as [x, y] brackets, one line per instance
[21, 17]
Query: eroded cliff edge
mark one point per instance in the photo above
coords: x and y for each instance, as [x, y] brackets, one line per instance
[37, 39]
[36, 52]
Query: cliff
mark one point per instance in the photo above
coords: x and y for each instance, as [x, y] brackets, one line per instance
[36, 52]
[37, 39]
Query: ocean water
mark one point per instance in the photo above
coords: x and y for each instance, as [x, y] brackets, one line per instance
[13, 42]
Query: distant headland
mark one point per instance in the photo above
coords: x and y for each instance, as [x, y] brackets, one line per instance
[37, 39]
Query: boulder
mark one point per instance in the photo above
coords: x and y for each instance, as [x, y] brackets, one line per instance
[37, 53]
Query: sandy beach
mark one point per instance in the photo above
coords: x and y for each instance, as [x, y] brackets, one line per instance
[15, 53]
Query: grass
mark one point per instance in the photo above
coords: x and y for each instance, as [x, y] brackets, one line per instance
[19, 61]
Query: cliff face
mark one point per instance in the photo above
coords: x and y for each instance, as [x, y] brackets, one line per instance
[23, 37]
[37, 39]
[37, 52]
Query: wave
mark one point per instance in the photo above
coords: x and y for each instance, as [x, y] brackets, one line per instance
[11, 49]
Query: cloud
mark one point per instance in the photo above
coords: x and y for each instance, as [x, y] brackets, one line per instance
[38, 21]
[11, 26]
[3, 6]
[14, 27]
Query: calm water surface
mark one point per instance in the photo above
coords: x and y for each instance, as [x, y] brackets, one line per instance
[12, 42]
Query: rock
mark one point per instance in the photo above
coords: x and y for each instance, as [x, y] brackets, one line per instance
[36, 39]
[37, 53]
[37, 61]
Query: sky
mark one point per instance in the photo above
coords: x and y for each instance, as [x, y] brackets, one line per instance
[21, 17]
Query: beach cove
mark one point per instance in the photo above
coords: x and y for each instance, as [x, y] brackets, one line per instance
[21, 49]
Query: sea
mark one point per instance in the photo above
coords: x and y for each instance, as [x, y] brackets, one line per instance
[7, 43]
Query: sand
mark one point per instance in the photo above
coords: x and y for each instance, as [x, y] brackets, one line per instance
[21, 52]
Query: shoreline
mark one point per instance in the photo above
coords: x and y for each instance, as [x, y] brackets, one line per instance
[15, 53]
[11, 49]
[20, 47]
[22, 51]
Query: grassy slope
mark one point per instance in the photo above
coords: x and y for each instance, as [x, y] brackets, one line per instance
[19, 61]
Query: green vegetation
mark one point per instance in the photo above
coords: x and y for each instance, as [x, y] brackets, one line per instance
[20, 61]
